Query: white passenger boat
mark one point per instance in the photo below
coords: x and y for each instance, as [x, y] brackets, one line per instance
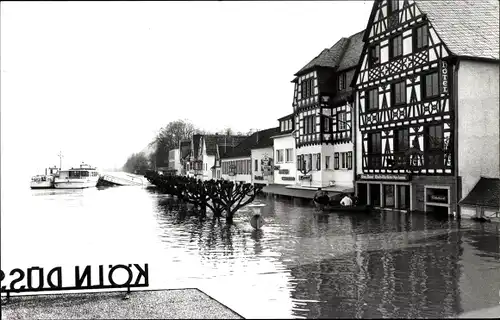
[77, 178]
[44, 181]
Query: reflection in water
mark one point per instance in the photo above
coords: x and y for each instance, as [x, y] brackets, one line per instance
[302, 263]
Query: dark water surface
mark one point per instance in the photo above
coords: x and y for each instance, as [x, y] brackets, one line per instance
[302, 263]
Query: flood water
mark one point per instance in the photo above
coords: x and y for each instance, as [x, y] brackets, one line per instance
[302, 263]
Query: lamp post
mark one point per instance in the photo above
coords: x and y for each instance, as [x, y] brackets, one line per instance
[256, 221]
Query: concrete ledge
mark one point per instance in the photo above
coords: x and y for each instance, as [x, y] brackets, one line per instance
[151, 304]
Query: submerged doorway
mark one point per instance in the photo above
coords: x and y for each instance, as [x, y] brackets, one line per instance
[362, 193]
[375, 195]
[389, 196]
[403, 197]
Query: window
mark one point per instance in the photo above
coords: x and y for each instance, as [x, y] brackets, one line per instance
[375, 150]
[256, 165]
[349, 160]
[396, 46]
[299, 162]
[420, 38]
[336, 160]
[341, 121]
[371, 99]
[288, 155]
[249, 166]
[342, 81]
[435, 146]
[327, 162]
[343, 156]
[309, 125]
[310, 164]
[326, 124]
[402, 140]
[318, 161]
[374, 55]
[307, 88]
[279, 156]
[399, 93]
[431, 85]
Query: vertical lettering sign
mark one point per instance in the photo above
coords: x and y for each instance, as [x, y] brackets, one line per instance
[37, 279]
[444, 77]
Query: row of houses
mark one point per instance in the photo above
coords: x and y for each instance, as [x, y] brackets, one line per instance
[404, 113]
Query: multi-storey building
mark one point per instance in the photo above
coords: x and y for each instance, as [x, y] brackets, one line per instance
[323, 110]
[263, 159]
[174, 161]
[236, 163]
[285, 169]
[203, 160]
[427, 103]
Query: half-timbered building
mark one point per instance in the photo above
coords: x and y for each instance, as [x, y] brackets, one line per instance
[427, 103]
[323, 110]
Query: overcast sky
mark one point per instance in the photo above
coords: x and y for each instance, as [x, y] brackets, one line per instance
[97, 80]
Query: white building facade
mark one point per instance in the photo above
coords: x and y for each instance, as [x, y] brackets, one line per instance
[285, 169]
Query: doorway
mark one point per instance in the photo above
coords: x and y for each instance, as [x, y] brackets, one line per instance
[388, 196]
[404, 197]
[375, 195]
[362, 193]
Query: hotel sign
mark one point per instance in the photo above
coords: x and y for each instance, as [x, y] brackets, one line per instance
[100, 277]
[388, 177]
[284, 171]
[259, 178]
[288, 178]
[306, 177]
[444, 77]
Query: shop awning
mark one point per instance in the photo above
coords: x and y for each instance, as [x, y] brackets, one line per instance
[486, 193]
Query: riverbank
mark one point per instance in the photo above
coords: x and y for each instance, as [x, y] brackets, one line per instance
[156, 304]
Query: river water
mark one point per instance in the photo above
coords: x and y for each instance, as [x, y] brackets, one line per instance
[302, 263]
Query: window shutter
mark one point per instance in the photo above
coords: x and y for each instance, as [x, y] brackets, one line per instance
[336, 161]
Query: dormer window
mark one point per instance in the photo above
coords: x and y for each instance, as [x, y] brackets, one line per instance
[307, 88]
[420, 38]
[342, 81]
[374, 55]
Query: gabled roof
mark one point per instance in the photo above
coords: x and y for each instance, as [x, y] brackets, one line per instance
[486, 193]
[353, 50]
[468, 28]
[327, 58]
[264, 138]
[212, 140]
[259, 139]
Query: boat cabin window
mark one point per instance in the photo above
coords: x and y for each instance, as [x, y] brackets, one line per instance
[84, 173]
[74, 174]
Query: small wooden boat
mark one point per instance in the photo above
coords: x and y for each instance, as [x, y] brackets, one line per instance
[340, 208]
[336, 206]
